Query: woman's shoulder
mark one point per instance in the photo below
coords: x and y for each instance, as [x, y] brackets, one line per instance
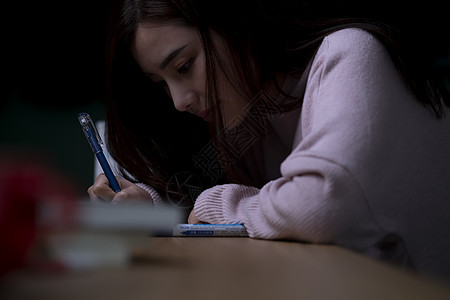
[351, 38]
[352, 41]
[353, 46]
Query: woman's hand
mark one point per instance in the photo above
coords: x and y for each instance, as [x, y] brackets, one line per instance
[100, 191]
[192, 219]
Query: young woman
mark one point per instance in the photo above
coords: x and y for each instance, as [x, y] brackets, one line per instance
[300, 124]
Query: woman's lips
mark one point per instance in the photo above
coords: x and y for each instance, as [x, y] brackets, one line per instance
[204, 114]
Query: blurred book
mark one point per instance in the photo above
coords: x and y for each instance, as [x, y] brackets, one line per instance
[91, 235]
[99, 216]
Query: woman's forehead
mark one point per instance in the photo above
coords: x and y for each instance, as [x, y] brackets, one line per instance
[152, 43]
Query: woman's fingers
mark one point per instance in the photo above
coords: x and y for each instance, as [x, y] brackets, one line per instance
[101, 190]
[130, 192]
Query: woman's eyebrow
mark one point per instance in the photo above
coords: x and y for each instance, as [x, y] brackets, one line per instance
[170, 57]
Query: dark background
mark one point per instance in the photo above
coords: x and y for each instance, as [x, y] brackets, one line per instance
[53, 68]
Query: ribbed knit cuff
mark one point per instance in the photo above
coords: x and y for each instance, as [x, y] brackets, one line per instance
[209, 205]
[222, 204]
[156, 198]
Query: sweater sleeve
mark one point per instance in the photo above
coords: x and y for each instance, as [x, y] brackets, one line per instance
[315, 201]
[319, 197]
[156, 198]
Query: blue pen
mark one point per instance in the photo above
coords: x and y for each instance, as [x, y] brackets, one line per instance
[91, 133]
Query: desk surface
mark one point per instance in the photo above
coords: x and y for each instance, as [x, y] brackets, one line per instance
[230, 268]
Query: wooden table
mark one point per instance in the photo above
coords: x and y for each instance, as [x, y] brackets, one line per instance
[230, 268]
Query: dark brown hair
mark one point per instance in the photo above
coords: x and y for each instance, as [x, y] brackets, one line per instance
[153, 142]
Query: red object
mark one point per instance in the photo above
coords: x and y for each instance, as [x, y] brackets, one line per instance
[24, 186]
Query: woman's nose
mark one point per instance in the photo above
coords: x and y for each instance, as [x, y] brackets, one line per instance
[183, 99]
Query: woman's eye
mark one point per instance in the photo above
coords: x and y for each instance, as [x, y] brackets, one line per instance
[185, 68]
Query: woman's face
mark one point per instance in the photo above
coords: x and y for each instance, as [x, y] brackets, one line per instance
[173, 56]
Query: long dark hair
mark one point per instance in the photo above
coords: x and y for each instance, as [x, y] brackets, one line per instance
[153, 142]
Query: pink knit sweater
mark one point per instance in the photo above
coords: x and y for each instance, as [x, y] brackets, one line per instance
[367, 166]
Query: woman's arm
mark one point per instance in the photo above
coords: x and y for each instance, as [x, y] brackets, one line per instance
[322, 196]
[315, 201]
